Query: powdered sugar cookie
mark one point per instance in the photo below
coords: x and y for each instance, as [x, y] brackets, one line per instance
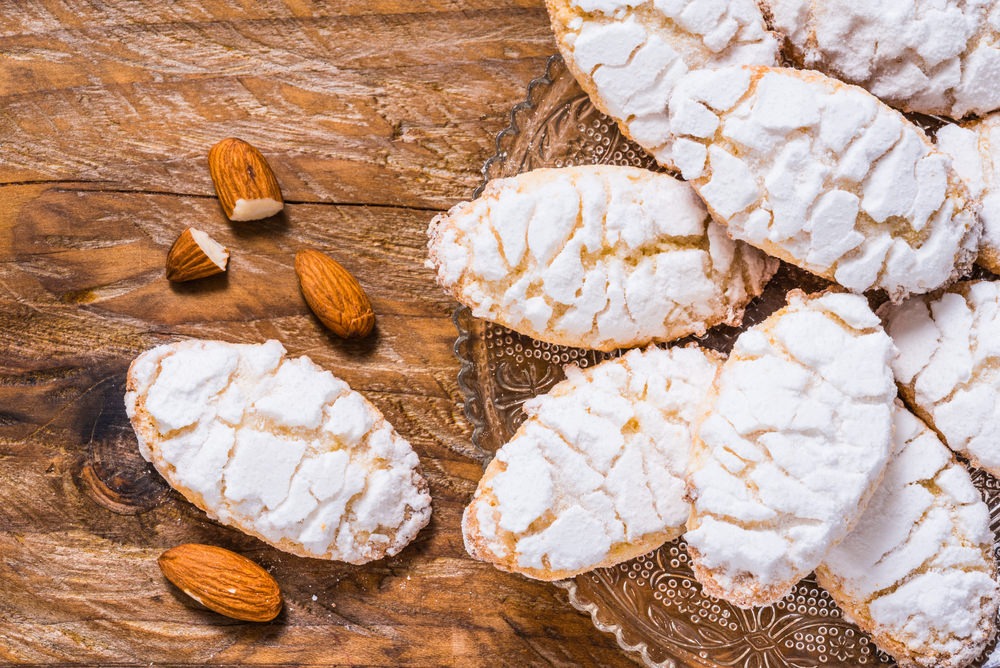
[278, 448]
[627, 54]
[823, 175]
[595, 257]
[975, 150]
[594, 476]
[918, 571]
[928, 56]
[948, 366]
[796, 438]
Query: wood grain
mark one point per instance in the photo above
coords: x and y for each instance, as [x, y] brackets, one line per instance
[374, 115]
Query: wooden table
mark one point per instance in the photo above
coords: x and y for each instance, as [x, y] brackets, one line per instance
[375, 114]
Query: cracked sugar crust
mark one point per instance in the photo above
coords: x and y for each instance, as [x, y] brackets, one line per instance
[948, 366]
[918, 572]
[927, 56]
[824, 176]
[627, 54]
[595, 474]
[795, 439]
[279, 448]
[598, 257]
[975, 151]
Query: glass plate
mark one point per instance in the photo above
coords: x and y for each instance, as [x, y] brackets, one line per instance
[652, 604]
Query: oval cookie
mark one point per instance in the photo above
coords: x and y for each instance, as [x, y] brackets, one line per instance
[795, 440]
[975, 151]
[926, 56]
[917, 572]
[594, 257]
[823, 175]
[278, 448]
[594, 475]
[948, 366]
[628, 54]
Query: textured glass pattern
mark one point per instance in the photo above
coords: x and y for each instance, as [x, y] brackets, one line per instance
[652, 604]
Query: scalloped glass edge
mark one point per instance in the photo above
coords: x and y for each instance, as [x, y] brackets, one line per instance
[578, 601]
[472, 406]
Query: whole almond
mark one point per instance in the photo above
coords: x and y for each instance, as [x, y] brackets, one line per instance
[223, 581]
[334, 295]
[195, 255]
[243, 181]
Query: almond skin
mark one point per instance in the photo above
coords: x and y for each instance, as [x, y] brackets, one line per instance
[334, 295]
[188, 260]
[244, 182]
[222, 581]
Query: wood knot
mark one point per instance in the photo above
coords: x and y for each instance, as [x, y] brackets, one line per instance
[111, 471]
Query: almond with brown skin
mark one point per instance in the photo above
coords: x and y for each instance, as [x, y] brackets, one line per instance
[195, 255]
[334, 295]
[243, 181]
[223, 581]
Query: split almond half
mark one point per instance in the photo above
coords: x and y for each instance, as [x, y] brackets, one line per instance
[223, 581]
[195, 255]
[244, 181]
[334, 295]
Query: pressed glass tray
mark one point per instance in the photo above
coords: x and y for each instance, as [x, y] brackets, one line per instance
[652, 604]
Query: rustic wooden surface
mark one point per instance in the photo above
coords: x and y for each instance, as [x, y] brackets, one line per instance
[374, 114]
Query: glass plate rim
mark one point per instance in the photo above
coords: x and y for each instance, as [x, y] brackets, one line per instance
[470, 349]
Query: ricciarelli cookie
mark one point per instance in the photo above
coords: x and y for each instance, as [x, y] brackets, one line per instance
[948, 366]
[595, 474]
[918, 571]
[596, 257]
[628, 54]
[927, 56]
[975, 150]
[278, 448]
[825, 176]
[796, 437]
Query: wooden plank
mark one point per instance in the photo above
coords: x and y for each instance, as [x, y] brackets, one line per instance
[340, 116]
[374, 115]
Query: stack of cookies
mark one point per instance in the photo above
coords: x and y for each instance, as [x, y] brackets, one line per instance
[825, 441]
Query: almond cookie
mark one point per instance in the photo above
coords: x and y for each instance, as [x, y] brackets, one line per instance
[948, 366]
[975, 151]
[594, 476]
[627, 54]
[917, 572]
[594, 257]
[795, 440]
[927, 56]
[278, 448]
[823, 175]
